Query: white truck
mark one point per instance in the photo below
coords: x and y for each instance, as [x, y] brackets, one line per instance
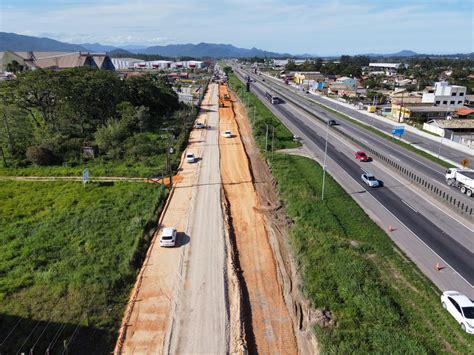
[463, 179]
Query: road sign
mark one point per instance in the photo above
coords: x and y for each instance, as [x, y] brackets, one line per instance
[465, 163]
[398, 130]
[85, 176]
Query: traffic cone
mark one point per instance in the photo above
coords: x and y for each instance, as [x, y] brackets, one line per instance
[438, 267]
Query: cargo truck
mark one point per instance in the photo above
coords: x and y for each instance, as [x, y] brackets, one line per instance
[463, 179]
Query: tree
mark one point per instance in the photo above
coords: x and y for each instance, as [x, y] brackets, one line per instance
[14, 67]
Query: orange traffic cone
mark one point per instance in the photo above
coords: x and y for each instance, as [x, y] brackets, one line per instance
[437, 267]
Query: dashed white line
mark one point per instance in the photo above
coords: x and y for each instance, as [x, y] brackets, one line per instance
[409, 206]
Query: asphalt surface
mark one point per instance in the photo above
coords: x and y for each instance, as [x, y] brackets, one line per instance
[412, 138]
[458, 256]
[425, 168]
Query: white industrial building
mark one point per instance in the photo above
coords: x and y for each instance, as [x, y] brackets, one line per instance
[124, 63]
[443, 94]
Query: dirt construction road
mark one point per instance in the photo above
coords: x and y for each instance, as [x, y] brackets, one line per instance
[271, 328]
[150, 313]
[200, 322]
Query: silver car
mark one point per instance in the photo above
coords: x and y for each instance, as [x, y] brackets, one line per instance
[370, 180]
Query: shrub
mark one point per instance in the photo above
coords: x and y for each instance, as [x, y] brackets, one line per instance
[40, 156]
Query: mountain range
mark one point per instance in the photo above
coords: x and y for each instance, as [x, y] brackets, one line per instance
[16, 42]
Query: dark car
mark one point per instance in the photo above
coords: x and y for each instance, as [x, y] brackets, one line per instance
[332, 122]
[361, 156]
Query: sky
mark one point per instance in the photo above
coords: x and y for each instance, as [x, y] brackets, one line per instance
[318, 27]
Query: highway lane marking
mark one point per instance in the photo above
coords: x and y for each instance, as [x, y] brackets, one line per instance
[372, 136]
[313, 122]
[394, 216]
[411, 207]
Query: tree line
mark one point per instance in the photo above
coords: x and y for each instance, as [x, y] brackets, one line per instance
[49, 116]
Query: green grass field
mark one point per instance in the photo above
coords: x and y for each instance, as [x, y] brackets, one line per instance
[68, 259]
[380, 301]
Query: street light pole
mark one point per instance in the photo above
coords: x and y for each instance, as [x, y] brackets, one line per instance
[324, 161]
[440, 144]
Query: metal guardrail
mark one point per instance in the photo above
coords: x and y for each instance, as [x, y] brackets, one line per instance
[453, 202]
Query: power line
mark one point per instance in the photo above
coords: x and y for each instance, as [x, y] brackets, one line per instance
[28, 337]
[11, 331]
[52, 344]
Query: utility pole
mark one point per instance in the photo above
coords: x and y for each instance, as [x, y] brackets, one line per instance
[9, 134]
[324, 161]
[5, 164]
[266, 139]
[253, 123]
[273, 139]
[440, 144]
[401, 107]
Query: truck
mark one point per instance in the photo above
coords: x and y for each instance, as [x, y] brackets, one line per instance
[463, 179]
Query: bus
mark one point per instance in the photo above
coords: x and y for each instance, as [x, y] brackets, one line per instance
[272, 98]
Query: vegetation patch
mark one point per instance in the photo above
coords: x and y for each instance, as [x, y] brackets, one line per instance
[81, 117]
[372, 298]
[68, 260]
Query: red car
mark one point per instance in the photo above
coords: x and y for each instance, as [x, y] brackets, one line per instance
[360, 155]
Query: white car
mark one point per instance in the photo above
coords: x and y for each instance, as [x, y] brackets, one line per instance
[461, 308]
[370, 180]
[168, 237]
[199, 125]
[190, 157]
[227, 134]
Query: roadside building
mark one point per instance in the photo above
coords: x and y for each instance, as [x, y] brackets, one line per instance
[301, 77]
[344, 86]
[420, 113]
[457, 130]
[445, 95]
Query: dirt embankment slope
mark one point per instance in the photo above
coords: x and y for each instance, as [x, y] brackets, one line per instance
[269, 325]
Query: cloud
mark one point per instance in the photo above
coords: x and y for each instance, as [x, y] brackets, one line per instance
[315, 26]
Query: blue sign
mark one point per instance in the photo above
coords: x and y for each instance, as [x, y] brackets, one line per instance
[398, 130]
[85, 176]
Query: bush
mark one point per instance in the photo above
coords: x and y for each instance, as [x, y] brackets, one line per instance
[40, 156]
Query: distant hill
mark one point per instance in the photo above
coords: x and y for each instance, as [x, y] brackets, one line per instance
[15, 42]
[97, 47]
[119, 52]
[403, 53]
[209, 50]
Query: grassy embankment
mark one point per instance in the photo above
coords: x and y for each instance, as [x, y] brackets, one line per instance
[379, 299]
[68, 259]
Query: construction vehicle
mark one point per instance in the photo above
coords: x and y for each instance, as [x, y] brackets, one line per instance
[463, 179]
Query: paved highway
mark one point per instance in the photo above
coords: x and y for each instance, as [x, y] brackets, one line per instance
[454, 253]
[423, 167]
[414, 139]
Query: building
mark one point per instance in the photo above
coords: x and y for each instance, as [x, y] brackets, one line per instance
[344, 86]
[420, 113]
[445, 95]
[56, 60]
[301, 77]
[460, 131]
[385, 68]
[124, 63]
